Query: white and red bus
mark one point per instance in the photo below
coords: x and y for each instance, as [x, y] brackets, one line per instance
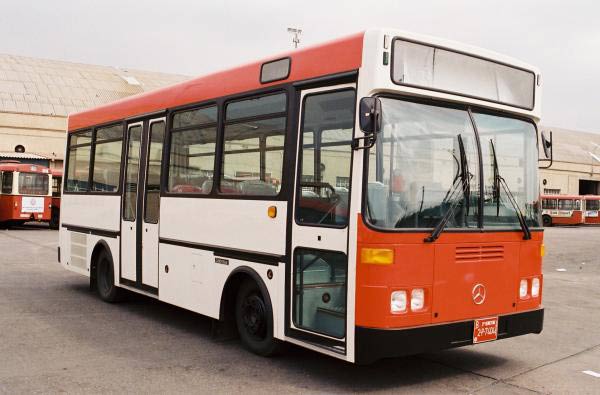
[591, 209]
[57, 176]
[24, 193]
[369, 197]
[562, 210]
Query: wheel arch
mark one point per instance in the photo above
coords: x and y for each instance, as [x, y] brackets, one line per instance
[100, 246]
[232, 284]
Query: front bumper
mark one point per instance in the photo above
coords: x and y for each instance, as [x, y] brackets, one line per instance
[372, 344]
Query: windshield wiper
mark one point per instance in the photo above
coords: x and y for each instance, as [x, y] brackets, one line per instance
[499, 181]
[465, 178]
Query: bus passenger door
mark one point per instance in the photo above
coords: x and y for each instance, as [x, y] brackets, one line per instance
[151, 203]
[318, 286]
[129, 210]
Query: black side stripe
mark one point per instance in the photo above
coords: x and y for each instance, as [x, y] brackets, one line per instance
[243, 255]
[92, 231]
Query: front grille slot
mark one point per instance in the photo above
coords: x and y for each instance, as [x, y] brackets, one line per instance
[479, 253]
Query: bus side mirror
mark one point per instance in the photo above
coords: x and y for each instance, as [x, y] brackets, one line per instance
[548, 152]
[370, 115]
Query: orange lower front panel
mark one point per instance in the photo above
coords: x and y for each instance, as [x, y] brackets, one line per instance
[462, 275]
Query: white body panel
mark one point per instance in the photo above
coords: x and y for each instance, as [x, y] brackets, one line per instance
[238, 224]
[150, 254]
[93, 211]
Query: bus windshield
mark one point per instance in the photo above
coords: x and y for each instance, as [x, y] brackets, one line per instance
[33, 184]
[426, 162]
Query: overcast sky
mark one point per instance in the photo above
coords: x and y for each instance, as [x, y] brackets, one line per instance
[191, 37]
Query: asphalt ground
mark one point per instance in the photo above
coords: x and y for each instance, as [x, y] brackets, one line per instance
[56, 336]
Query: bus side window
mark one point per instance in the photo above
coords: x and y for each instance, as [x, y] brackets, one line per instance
[7, 182]
[254, 139]
[325, 159]
[155, 151]
[192, 156]
[78, 162]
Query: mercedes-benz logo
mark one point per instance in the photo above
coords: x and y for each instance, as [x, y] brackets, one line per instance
[478, 293]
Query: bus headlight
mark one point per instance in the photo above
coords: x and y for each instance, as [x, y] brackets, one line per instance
[398, 302]
[523, 289]
[535, 287]
[417, 299]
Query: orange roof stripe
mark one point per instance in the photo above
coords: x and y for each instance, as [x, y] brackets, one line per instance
[336, 56]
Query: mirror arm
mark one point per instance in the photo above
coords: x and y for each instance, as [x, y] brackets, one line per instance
[369, 140]
[551, 159]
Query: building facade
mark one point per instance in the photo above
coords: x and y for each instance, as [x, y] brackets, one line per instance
[576, 167]
[36, 96]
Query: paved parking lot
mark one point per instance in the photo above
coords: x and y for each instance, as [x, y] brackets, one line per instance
[56, 336]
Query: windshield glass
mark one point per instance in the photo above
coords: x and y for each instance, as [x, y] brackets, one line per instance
[416, 170]
[33, 184]
[425, 161]
[515, 143]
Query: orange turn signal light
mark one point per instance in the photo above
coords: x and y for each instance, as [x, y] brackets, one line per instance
[542, 250]
[377, 256]
[272, 211]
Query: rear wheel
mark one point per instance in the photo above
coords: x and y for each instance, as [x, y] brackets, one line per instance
[105, 279]
[547, 220]
[254, 319]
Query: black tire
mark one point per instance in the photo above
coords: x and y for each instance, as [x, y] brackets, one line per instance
[547, 220]
[254, 320]
[54, 219]
[105, 279]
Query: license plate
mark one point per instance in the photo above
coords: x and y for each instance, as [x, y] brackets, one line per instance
[485, 330]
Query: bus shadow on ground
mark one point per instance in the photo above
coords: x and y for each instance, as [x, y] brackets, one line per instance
[299, 362]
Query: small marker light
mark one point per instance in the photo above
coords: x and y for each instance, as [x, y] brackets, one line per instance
[535, 287]
[398, 302]
[417, 299]
[272, 211]
[523, 289]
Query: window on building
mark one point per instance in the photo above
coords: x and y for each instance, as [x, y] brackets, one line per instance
[108, 147]
[192, 153]
[254, 140]
[78, 162]
[548, 191]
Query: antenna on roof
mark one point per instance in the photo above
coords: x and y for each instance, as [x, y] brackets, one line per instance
[296, 32]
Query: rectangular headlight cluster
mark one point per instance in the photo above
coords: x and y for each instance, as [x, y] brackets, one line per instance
[529, 287]
[400, 300]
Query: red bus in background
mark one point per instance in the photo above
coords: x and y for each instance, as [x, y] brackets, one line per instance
[591, 209]
[25, 193]
[57, 175]
[562, 210]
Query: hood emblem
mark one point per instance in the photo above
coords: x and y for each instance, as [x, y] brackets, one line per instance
[478, 293]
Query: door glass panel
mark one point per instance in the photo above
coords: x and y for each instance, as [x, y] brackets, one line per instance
[131, 173]
[325, 159]
[153, 172]
[320, 279]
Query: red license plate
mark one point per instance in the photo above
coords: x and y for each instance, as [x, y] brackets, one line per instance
[485, 329]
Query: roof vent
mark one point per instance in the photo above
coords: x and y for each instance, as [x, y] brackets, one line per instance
[275, 70]
[131, 80]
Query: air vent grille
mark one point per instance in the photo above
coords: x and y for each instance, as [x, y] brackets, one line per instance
[479, 253]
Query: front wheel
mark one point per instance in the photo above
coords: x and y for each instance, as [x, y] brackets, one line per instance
[105, 279]
[254, 319]
[547, 220]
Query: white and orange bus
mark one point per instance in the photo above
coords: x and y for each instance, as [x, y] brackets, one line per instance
[369, 197]
[591, 209]
[25, 193]
[562, 210]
